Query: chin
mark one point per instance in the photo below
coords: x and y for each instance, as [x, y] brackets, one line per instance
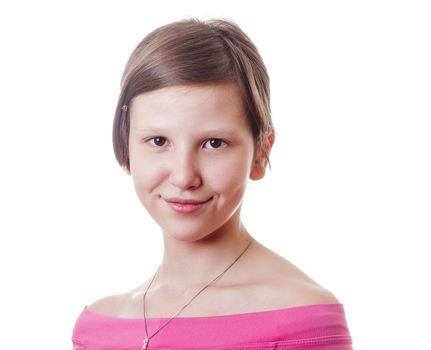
[187, 234]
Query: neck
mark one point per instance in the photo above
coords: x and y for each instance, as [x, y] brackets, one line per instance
[187, 266]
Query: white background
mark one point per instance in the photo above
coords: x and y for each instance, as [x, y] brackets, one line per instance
[347, 200]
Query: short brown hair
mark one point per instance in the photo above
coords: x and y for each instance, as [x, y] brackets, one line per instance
[195, 52]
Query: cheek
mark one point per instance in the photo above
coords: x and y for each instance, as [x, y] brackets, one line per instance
[228, 177]
[146, 175]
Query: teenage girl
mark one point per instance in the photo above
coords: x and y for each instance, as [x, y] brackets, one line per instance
[192, 127]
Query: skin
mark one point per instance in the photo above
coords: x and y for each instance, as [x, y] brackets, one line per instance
[194, 142]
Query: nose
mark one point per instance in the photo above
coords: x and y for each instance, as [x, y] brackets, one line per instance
[184, 171]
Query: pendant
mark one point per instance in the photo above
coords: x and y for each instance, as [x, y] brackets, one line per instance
[145, 343]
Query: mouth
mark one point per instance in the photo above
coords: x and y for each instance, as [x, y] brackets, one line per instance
[186, 206]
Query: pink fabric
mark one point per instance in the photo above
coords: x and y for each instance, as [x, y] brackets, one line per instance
[309, 327]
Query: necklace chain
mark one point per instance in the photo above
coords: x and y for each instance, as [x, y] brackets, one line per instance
[147, 338]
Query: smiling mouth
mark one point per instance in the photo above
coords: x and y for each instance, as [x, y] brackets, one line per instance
[186, 206]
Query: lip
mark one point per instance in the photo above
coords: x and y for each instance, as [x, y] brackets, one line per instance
[186, 206]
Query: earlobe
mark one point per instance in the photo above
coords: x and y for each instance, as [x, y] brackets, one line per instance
[260, 162]
[259, 166]
[258, 169]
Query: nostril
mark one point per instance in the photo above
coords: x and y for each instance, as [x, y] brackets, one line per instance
[185, 179]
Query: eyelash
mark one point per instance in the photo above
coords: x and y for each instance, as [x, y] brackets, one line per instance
[161, 137]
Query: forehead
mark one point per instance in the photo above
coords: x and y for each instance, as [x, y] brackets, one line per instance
[198, 104]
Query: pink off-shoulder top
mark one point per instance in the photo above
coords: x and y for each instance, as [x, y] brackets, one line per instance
[308, 327]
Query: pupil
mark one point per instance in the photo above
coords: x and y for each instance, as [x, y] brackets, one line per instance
[159, 141]
[215, 143]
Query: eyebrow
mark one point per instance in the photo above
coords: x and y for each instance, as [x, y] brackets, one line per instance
[228, 132]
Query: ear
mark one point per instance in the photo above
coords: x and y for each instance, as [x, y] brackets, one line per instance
[259, 163]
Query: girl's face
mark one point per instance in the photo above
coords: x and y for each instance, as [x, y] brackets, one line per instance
[192, 143]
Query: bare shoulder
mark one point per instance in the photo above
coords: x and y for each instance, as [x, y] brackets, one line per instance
[302, 292]
[285, 284]
[270, 282]
[110, 305]
[126, 304]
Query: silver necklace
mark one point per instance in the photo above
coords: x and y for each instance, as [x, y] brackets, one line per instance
[146, 341]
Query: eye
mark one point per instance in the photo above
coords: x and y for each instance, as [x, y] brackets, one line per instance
[157, 140]
[215, 143]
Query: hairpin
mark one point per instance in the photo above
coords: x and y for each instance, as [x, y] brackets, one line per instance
[124, 108]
